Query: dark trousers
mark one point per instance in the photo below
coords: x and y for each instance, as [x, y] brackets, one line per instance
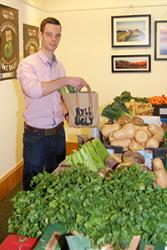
[41, 152]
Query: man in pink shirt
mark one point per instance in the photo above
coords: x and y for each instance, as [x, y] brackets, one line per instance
[42, 76]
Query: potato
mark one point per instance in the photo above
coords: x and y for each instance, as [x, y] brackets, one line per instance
[112, 161]
[133, 157]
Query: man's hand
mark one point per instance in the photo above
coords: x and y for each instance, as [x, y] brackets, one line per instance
[77, 82]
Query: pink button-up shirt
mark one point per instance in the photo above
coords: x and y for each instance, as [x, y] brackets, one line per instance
[41, 111]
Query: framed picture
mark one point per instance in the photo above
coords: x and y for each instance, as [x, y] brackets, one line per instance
[9, 42]
[30, 39]
[128, 63]
[131, 31]
[160, 40]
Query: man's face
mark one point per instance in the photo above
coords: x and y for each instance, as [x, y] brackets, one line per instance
[50, 38]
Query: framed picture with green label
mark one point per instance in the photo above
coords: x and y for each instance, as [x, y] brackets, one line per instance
[9, 42]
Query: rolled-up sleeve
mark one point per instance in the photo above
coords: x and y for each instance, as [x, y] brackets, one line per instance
[29, 81]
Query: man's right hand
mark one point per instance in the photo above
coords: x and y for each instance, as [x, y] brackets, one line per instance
[77, 82]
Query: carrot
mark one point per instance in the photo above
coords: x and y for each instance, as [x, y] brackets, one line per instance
[158, 100]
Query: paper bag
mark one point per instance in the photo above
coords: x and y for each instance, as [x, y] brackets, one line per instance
[83, 109]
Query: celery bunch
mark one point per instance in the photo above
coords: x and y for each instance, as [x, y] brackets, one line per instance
[92, 154]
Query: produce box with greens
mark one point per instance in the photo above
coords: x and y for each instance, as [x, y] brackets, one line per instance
[128, 105]
[107, 210]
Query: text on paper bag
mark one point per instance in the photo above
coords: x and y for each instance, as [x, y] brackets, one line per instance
[83, 116]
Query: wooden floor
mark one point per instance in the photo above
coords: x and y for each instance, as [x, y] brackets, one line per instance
[6, 210]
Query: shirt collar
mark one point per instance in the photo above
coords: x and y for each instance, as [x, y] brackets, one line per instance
[45, 59]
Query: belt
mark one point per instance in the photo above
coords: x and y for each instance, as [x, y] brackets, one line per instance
[46, 131]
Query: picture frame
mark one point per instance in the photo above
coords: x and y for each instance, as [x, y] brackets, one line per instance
[160, 49]
[131, 63]
[131, 31]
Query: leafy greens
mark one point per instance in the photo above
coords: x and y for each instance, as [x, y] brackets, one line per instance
[107, 210]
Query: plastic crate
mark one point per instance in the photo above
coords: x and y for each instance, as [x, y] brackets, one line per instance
[15, 242]
[163, 119]
[145, 245]
[160, 110]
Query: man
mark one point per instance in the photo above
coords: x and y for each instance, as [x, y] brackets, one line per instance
[42, 76]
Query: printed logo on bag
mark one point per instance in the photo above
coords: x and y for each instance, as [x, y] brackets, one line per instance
[83, 116]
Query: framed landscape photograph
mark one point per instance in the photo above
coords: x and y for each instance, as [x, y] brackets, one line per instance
[131, 31]
[160, 40]
[128, 63]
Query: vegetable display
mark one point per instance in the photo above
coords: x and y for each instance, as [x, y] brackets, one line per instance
[128, 105]
[107, 210]
[115, 110]
[126, 97]
[126, 159]
[140, 108]
[132, 136]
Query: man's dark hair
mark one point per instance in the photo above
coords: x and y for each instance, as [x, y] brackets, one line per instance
[48, 20]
